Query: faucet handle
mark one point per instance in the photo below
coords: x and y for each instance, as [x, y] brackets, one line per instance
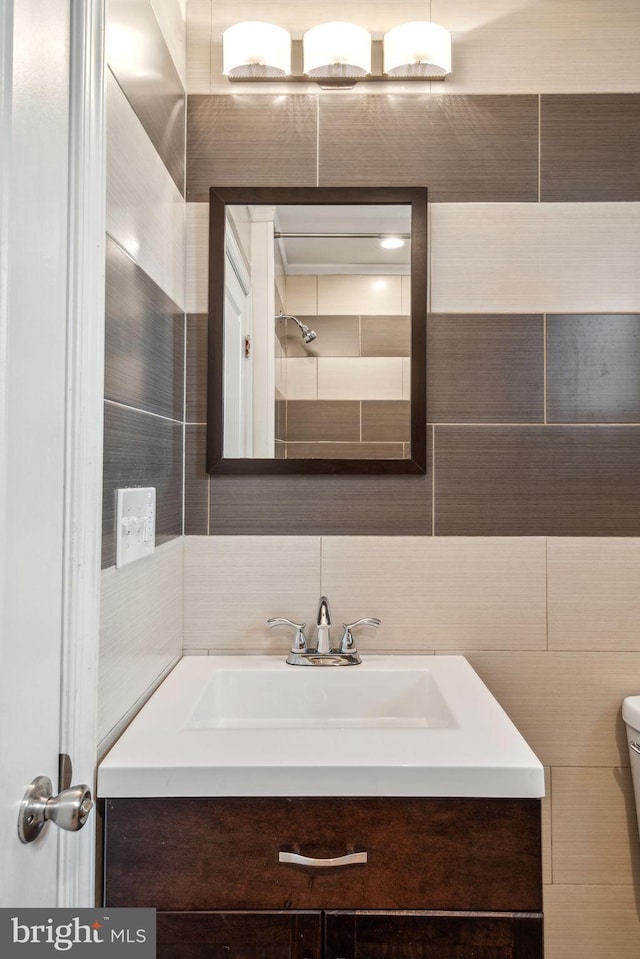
[299, 642]
[347, 644]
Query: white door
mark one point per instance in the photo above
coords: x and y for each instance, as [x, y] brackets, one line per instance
[47, 550]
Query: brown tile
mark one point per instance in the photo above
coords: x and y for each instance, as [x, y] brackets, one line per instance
[196, 486]
[590, 147]
[281, 420]
[323, 420]
[144, 339]
[149, 80]
[466, 148]
[141, 450]
[485, 369]
[593, 368]
[196, 368]
[356, 451]
[591, 922]
[329, 505]
[386, 335]
[386, 420]
[250, 140]
[547, 480]
[337, 336]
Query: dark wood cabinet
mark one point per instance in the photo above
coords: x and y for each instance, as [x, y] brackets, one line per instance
[444, 878]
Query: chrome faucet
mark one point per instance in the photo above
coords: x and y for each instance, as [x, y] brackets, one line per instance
[323, 627]
[323, 654]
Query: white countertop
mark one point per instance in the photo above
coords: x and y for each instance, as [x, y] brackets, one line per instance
[168, 751]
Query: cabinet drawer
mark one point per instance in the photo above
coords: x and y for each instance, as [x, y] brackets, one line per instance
[204, 854]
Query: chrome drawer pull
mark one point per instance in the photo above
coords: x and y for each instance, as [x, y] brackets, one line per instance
[635, 747]
[349, 860]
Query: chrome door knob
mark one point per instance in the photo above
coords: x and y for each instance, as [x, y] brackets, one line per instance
[69, 809]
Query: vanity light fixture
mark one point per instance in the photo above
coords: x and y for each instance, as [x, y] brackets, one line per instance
[420, 50]
[337, 50]
[256, 51]
[336, 54]
[391, 242]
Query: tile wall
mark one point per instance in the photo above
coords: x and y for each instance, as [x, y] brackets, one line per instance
[141, 607]
[521, 546]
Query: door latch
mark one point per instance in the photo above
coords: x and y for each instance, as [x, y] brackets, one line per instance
[69, 809]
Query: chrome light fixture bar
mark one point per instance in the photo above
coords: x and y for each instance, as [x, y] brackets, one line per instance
[336, 54]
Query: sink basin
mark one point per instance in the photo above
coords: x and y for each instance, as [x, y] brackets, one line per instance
[253, 726]
[320, 699]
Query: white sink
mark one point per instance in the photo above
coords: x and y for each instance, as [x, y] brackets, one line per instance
[343, 698]
[254, 726]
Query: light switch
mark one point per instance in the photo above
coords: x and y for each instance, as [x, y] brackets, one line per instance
[135, 524]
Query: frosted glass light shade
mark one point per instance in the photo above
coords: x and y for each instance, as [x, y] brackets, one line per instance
[337, 50]
[420, 49]
[255, 49]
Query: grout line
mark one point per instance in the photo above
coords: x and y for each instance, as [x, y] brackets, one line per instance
[539, 144]
[184, 428]
[546, 588]
[136, 409]
[433, 479]
[544, 369]
[317, 139]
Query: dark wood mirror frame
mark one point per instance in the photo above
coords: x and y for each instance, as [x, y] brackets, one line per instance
[220, 198]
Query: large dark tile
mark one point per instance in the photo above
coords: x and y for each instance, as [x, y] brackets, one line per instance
[464, 148]
[141, 450]
[485, 369]
[144, 339]
[356, 451]
[196, 368]
[149, 80]
[386, 421]
[593, 368]
[322, 505]
[250, 140]
[196, 486]
[337, 336]
[537, 480]
[590, 147]
[323, 421]
[386, 335]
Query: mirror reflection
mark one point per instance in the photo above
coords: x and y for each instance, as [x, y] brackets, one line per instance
[317, 331]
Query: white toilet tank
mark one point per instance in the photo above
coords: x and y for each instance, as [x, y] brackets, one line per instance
[631, 716]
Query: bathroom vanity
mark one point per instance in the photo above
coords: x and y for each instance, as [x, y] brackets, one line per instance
[258, 830]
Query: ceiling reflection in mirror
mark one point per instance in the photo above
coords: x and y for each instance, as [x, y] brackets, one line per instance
[317, 332]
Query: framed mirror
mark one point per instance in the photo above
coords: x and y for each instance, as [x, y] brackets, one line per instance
[317, 330]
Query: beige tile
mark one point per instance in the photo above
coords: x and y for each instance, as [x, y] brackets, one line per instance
[145, 210]
[547, 871]
[440, 593]
[595, 835]
[197, 257]
[370, 295]
[140, 629]
[405, 295]
[300, 378]
[233, 584]
[360, 378]
[566, 705]
[591, 922]
[302, 295]
[594, 593]
[535, 257]
[199, 46]
[171, 16]
[406, 378]
[508, 46]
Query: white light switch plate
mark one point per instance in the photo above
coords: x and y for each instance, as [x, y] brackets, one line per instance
[135, 524]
